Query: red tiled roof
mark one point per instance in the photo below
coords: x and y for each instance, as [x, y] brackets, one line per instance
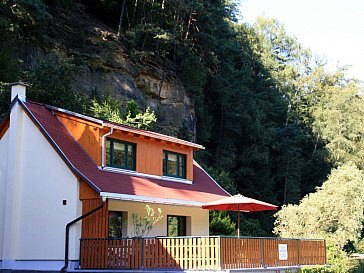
[203, 189]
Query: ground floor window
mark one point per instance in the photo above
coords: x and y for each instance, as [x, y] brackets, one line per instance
[176, 225]
[117, 224]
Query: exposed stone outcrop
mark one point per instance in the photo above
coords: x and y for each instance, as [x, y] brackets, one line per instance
[108, 65]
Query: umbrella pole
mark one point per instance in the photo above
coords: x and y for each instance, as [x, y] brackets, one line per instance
[238, 222]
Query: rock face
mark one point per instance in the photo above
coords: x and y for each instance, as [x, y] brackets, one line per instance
[149, 84]
[107, 65]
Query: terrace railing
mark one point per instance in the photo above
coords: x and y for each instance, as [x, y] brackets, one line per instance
[200, 253]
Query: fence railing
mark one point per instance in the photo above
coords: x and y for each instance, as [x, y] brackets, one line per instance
[200, 253]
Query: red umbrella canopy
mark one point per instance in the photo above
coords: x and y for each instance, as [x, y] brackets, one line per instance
[239, 203]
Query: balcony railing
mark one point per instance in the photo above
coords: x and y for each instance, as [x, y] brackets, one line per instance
[200, 253]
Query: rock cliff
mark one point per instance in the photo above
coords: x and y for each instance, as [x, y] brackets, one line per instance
[106, 64]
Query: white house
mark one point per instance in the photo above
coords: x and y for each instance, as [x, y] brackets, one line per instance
[57, 165]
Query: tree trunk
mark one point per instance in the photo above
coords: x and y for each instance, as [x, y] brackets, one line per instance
[188, 26]
[121, 17]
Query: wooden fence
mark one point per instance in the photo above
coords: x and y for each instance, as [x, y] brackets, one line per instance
[200, 253]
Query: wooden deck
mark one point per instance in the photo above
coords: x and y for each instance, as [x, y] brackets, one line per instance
[200, 253]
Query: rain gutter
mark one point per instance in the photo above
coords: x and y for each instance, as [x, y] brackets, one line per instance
[103, 147]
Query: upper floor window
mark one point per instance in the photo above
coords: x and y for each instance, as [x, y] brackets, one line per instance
[174, 164]
[120, 154]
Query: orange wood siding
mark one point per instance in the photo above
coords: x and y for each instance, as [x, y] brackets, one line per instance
[149, 157]
[87, 192]
[86, 133]
[96, 224]
[4, 126]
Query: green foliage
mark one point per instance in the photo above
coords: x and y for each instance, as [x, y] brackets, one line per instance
[221, 224]
[142, 226]
[223, 178]
[251, 227]
[184, 132]
[4, 99]
[22, 16]
[339, 121]
[135, 118]
[334, 211]
[9, 72]
[51, 82]
[108, 108]
[339, 262]
[316, 269]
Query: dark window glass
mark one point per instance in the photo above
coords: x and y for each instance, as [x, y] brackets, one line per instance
[115, 224]
[174, 164]
[176, 226]
[107, 152]
[120, 154]
[131, 156]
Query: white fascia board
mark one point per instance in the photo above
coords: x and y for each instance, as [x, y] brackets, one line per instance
[146, 199]
[68, 112]
[145, 175]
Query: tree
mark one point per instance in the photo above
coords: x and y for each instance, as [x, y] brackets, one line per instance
[339, 122]
[108, 108]
[334, 211]
[221, 224]
[143, 225]
[52, 82]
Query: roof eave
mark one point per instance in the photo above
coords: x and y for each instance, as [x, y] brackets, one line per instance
[154, 200]
[127, 128]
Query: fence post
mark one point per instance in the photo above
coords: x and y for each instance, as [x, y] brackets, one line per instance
[263, 262]
[143, 255]
[325, 252]
[220, 262]
[298, 251]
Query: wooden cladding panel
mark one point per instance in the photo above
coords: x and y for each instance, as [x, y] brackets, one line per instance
[96, 224]
[149, 151]
[86, 191]
[241, 253]
[271, 253]
[312, 252]
[87, 134]
[149, 157]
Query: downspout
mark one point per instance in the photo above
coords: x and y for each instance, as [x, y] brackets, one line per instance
[103, 147]
[66, 259]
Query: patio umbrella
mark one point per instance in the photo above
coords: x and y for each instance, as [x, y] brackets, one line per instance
[239, 203]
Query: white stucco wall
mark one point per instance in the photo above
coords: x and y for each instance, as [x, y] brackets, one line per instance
[199, 217]
[37, 183]
[4, 144]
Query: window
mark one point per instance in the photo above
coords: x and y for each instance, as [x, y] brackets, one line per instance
[120, 154]
[117, 224]
[176, 226]
[174, 164]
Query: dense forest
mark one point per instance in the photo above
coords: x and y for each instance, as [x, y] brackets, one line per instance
[275, 122]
